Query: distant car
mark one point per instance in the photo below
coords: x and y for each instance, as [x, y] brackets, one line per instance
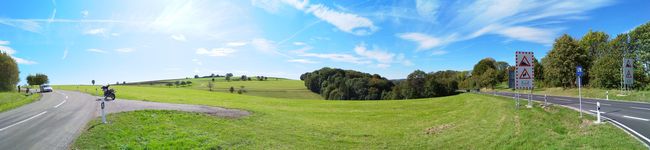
[46, 88]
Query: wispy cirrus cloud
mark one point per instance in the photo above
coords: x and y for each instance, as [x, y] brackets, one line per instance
[302, 61]
[215, 52]
[94, 50]
[124, 50]
[344, 21]
[179, 37]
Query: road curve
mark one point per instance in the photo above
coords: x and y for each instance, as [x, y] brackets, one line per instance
[633, 117]
[54, 121]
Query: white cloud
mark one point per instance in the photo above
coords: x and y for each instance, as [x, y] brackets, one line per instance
[6, 49]
[535, 35]
[303, 61]
[346, 22]
[427, 8]
[338, 57]
[124, 50]
[179, 37]
[96, 50]
[236, 44]
[65, 53]
[215, 52]
[424, 41]
[439, 52]
[97, 31]
[24, 24]
[24, 61]
[377, 55]
[263, 45]
[85, 13]
[299, 44]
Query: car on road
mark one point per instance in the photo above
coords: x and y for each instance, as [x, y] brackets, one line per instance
[46, 88]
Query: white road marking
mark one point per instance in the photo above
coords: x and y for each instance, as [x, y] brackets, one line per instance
[597, 112]
[637, 118]
[60, 104]
[30, 118]
[629, 129]
[600, 103]
[66, 97]
[640, 108]
[562, 99]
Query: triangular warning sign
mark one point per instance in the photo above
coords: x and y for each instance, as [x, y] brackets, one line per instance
[628, 64]
[628, 74]
[525, 75]
[524, 62]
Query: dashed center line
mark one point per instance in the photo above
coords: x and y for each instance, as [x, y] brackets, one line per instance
[30, 118]
[562, 99]
[637, 118]
[60, 104]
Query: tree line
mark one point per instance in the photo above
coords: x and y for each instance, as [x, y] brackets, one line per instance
[339, 84]
[600, 55]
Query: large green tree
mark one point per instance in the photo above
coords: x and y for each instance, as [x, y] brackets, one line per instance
[9, 72]
[560, 63]
[595, 43]
[640, 45]
[606, 71]
[38, 79]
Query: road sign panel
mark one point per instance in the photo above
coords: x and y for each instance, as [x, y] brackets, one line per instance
[579, 71]
[524, 72]
[628, 71]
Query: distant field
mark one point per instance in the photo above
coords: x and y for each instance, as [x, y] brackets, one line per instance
[273, 87]
[465, 121]
[614, 94]
[11, 100]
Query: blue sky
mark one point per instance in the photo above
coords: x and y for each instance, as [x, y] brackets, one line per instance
[121, 40]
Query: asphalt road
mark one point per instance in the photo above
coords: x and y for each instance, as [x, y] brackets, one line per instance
[634, 117]
[54, 121]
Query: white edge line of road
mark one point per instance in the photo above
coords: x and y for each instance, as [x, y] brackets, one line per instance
[637, 118]
[600, 103]
[30, 118]
[627, 130]
[640, 108]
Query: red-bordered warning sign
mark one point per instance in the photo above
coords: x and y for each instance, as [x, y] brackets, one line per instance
[628, 71]
[524, 72]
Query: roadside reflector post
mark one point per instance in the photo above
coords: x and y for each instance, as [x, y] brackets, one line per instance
[517, 99]
[607, 95]
[598, 111]
[545, 103]
[103, 113]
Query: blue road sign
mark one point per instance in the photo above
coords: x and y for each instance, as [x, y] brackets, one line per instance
[579, 71]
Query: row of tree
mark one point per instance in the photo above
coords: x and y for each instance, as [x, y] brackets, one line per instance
[600, 56]
[338, 84]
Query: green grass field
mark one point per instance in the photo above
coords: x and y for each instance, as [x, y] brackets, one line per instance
[614, 94]
[273, 87]
[465, 121]
[11, 100]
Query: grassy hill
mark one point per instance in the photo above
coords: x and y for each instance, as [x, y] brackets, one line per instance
[273, 87]
[466, 121]
[11, 100]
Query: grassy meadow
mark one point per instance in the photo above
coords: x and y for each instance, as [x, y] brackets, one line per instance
[11, 100]
[465, 121]
[273, 87]
[614, 94]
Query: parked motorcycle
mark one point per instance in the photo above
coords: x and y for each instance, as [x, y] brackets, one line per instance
[108, 93]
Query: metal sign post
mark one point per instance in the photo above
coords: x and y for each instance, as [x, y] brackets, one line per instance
[525, 74]
[579, 74]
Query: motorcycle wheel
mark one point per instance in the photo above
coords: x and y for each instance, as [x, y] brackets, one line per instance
[111, 97]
